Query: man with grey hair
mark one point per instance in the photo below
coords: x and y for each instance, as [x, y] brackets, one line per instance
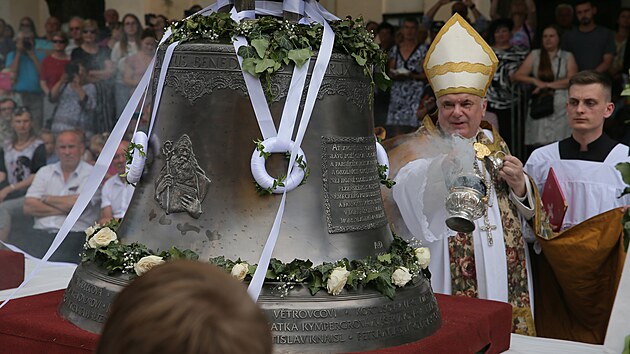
[564, 18]
[52, 195]
[75, 26]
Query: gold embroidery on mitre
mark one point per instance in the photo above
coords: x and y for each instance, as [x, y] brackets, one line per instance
[486, 69]
[451, 67]
[460, 89]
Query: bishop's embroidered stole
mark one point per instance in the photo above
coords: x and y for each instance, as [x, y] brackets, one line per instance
[462, 254]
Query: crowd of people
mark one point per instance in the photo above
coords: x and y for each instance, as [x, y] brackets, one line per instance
[60, 95]
[528, 66]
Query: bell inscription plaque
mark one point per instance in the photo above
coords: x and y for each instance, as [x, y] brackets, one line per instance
[352, 193]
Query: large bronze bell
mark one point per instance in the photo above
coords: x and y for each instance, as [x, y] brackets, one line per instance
[198, 193]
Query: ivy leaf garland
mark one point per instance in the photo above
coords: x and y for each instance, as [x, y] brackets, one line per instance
[274, 42]
[119, 259]
[374, 272]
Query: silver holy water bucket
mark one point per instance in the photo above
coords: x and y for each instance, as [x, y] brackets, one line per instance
[205, 116]
[465, 202]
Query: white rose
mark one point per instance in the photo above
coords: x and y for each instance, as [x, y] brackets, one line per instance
[424, 257]
[146, 263]
[89, 232]
[102, 238]
[401, 277]
[337, 280]
[240, 270]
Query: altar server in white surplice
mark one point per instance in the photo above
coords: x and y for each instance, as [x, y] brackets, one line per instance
[490, 262]
[584, 163]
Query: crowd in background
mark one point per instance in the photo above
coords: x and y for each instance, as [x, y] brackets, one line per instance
[61, 92]
[528, 66]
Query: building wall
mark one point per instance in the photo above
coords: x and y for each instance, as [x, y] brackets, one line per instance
[13, 10]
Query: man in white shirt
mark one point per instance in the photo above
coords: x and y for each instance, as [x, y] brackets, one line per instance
[51, 196]
[117, 192]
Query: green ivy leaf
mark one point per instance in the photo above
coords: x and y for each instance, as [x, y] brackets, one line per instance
[371, 276]
[385, 258]
[263, 65]
[624, 168]
[385, 286]
[300, 56]
[249, 66]
[261, 45]
[247, 51]
[382, 81]
[283, 41]
[316, 285]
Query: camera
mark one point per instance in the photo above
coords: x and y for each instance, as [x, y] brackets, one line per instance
[27, 44]
[71, 70]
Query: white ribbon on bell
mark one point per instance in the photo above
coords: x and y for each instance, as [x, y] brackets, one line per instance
[262, 177]
[138, 158]
[381, 157]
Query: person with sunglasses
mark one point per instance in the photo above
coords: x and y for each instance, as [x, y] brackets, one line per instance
[75, 26]
[100, 71]
[52, 70]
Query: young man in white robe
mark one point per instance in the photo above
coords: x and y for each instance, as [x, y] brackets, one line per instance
[490, 262]
[578, 270]
[584, 163]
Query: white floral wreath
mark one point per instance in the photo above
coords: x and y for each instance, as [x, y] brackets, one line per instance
[381, 157]
[134, 169]
[259, 170]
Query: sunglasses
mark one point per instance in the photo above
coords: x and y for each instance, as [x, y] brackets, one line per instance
[75, 28]
[59, 41]
[89, 31]
[20, 110]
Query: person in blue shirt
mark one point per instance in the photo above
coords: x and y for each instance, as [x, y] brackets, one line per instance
[25, 61]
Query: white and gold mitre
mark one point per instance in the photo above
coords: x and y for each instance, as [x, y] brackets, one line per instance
[459, 60]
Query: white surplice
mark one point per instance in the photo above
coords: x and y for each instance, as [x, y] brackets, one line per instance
[590, 187]
[420, 194]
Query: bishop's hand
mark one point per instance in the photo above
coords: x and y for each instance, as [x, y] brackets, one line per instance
[512, 173]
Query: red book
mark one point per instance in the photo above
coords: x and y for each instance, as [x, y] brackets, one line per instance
[554, 202]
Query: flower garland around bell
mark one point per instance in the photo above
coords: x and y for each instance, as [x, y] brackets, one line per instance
[400, 266]
[103, 249]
